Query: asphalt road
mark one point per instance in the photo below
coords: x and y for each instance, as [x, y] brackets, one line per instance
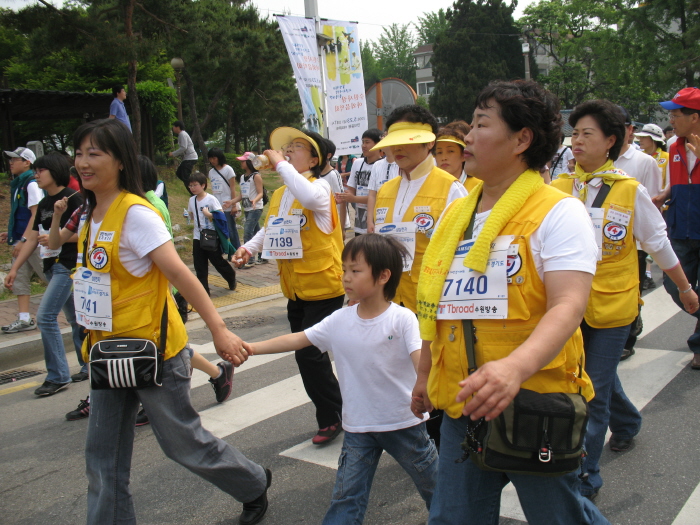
[269, 418]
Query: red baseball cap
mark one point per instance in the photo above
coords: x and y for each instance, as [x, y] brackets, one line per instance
[685, 98]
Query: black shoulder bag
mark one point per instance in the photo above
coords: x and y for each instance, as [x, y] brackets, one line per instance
[208, 238]
[539, 434]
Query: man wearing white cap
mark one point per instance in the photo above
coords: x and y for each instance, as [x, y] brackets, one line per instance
[25, 194]
[683, 214]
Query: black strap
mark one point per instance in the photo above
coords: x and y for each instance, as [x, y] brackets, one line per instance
[196, 212]
[467, 325]
[556, 162]
[220, 175]
[602, 194]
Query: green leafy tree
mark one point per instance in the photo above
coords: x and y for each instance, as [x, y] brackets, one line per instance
[394, 53]
[480, 45]
[370, 68]
[430, 26]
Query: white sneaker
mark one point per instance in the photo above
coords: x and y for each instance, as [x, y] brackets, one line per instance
[19, 326]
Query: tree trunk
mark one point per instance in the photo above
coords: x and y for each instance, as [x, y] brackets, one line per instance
[131, 80]
[196, 133]
[229, 115]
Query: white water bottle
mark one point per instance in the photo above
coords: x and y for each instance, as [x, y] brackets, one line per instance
[186, 215]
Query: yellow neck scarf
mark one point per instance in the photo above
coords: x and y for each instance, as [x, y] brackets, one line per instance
[443, 244]
[608, 172]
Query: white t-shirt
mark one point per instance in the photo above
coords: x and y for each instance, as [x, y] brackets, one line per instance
[336, 183]
[382, 171]
[249, 192]
[208, 201]
[375, 371]
[160, 189]
[142, 232]
[561, 158]
[359, 180]
[220, 189]
[642, 167]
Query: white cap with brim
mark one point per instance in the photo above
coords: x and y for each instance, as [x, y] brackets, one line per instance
[406, 133]
[22, 153]
[653, 131]
[281, 136]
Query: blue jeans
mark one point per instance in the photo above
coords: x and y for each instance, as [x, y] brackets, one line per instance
[58, 295]
[610, 406]
[252, 224]
[232, 230]
[688, 252]
[467, 495]
[410, 447]
[179, 431]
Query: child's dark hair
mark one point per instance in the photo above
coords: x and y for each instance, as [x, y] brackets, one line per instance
[198, 176]
[58, 166]
[372, 134]
[381, 252]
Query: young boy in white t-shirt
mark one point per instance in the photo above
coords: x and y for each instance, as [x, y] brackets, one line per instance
[376, 348]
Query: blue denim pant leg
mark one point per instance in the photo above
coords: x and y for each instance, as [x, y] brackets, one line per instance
[466, 495]
[232, 230]
[252, 224]
[58, 291]
[356, 467]
[688, 252]
[180, 434]
[603, 347]
[77, 332]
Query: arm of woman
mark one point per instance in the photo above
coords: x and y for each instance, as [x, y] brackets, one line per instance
[314, 197]
[227, 344]
[495, 384]
[257, 179]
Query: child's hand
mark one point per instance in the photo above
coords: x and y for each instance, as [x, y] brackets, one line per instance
[206, 212]
[249, 347]
[43, 240]
[60, 206]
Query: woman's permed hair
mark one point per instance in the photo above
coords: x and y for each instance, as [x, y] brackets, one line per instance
[526, 104]
[58, 166]
[380, 252]
[610, 119]
[113, 137]
[412, 113]
[458, 129]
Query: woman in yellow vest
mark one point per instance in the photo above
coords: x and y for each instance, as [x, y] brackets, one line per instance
[652, 142]
[308, 259]
[531, 339]
[123, 241]
[449, 152]
[418, 195]
[622, 211]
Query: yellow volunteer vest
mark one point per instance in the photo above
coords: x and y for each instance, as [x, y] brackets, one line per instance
[661, 158]
[318, 274]
[470, 183]
[137, 302]
[424, 210]
[614, 296]
[497, 338]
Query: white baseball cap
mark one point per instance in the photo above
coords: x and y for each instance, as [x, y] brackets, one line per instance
[653, 131]
[22, 153]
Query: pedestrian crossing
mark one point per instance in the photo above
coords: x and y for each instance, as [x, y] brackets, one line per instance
[643, 377]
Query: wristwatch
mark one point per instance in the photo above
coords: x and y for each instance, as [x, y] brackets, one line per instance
[23, 239]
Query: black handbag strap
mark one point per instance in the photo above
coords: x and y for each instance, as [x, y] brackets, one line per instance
[467, 325]
[602, 194]
[220, 175]
[196, 212]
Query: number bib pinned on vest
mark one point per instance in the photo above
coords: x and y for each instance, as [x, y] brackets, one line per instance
[405, 233]
[283, 238]
[472, 295]
[92, 296]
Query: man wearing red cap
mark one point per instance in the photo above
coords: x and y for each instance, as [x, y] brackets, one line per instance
[683, 215]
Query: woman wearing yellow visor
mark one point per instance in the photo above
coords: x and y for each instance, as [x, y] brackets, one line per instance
[449, 152]
[302, 232]
[408, 206]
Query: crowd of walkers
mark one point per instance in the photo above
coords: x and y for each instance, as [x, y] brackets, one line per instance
[495, 267]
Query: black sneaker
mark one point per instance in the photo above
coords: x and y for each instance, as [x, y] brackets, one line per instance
[81, 412]
[223, 384]
[142, 418]
[255, 510]
[80, 376]
[49, 389]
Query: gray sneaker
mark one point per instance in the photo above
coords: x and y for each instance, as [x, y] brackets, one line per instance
[19, 326]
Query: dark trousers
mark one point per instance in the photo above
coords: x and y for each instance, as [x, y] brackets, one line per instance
[184, 170]
[315, 366]
[642, 264]
[202, 258]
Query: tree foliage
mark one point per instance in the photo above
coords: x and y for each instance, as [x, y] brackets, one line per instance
[392, 55]
[430, 26]
[480, 45]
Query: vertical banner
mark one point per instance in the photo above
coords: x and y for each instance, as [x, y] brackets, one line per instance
[345, 85]
[299, 36]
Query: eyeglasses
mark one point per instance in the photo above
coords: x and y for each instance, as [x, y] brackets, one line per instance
[671, 116]
[296, 145]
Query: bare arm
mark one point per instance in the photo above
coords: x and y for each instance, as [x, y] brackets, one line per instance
[419, 398]
[495, 384]
[25, 251]
[371, 203]
[228, 345]
[283, 343]
[688, 298]
[59, 236]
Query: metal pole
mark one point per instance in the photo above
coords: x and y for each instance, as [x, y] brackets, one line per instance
[380, 108]
[311, 11]
[179, 96]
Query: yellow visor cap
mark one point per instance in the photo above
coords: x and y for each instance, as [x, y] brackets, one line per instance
[281, 136]
[451, 138]
[406, 133]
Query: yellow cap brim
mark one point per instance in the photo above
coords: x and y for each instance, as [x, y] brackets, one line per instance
[450, 139]
[284, 135]
[405, 136]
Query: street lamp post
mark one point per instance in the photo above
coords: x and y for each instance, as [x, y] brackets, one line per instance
[178, 65]
[526, 57]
